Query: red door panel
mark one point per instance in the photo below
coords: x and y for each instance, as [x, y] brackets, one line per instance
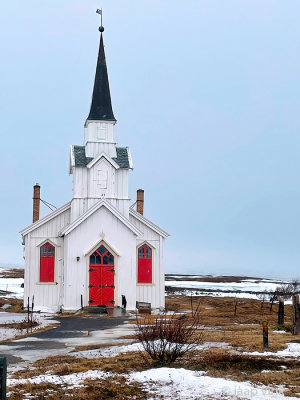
[101, 286]
[145, 270]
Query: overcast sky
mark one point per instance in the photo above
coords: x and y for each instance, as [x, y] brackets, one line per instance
[206, 94]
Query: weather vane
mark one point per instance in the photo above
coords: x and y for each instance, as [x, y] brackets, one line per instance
[101, 29]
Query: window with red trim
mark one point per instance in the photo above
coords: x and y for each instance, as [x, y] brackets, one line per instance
[144, 264]
[47, 257]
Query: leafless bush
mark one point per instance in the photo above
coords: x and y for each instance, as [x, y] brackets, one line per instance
[168, 337]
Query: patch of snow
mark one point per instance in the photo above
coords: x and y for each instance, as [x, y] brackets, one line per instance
[179, 383]
[12, 285]
[10, 318]
[292, 351]
[72, 379]
[112, 351]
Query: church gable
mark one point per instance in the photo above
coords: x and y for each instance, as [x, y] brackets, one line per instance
[91, 211]
[102, 177]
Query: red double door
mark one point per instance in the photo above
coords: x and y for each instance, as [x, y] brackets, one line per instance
[102, 278]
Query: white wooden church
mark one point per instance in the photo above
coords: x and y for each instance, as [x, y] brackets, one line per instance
[96, 249]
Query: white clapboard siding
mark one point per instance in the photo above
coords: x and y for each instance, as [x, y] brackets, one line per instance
[46, 295]
[151, 293]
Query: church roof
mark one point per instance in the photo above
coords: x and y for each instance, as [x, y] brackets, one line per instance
[122, 159]
[101, 203]
[101, 108]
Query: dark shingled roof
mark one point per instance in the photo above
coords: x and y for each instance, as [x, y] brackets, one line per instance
[80, 158]
[82, 161]
[101, 108]
[122, 157]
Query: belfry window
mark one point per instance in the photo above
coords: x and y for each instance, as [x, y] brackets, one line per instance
[47, 262]
[144, 264]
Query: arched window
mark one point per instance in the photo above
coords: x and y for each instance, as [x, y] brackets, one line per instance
[101, 257]
[47, 257]
[144, 264]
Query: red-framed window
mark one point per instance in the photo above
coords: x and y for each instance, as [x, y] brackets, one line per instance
[47, 261]
[102, 257]
[144, 264]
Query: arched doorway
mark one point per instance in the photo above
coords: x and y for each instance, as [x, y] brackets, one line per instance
[102, 277]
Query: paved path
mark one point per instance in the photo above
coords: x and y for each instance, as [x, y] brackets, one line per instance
[71, 332]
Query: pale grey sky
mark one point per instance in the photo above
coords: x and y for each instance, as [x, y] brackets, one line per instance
[206, 94]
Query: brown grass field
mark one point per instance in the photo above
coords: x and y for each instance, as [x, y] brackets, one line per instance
[243, 333]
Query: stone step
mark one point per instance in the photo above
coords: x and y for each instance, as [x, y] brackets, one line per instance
[95, 310]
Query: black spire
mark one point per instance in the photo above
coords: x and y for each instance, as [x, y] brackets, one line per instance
[101, 108]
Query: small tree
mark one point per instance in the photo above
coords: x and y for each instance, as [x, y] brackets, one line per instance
[167, 338]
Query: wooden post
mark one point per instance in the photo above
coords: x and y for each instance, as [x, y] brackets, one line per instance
[81, 302]
[281, 311]
[28, 310]
[3, 373]
[235, 307]
[192, 304]
[265, 335]
[296, 315]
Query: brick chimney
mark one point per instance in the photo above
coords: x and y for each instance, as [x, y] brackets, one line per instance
[140, 201]
[36, 202]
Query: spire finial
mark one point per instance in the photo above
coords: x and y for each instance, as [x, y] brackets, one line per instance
[101, 28]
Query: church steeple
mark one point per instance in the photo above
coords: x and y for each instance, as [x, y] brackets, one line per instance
[101, 108]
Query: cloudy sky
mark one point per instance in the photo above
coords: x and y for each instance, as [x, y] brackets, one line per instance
[206, 94]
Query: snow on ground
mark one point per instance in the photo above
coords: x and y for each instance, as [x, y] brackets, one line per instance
[12, 285]
[113, 351]
[292, 351]
[246, 288]
[73, 379]
[171, 384]
[179, 383]
[10, 318]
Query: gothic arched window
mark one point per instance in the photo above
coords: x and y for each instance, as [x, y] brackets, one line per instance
[47, 261]
[144, 264]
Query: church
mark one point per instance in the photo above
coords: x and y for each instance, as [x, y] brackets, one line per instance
[97, 249]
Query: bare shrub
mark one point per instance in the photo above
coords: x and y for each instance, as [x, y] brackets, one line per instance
[168, 337]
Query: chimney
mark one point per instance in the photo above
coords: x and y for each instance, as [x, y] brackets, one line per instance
[140, 201]
[36, 202]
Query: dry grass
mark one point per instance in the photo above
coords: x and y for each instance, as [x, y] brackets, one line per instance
[13, 273]
[64, 365]
[239, 367]
[243, 331]
[15, 305]
[20, 325]
[113, 388]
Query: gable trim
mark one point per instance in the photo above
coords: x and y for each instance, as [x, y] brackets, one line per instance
[46, 219]
[148, 223]
[102, 155]
[94, 208]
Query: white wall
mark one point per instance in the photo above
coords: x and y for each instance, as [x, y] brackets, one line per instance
[46, 295]
[102, 225]
[151, 293]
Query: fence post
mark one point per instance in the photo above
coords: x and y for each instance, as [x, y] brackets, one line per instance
[265, 335]
[296, 315]
[3, 372]
[281, 311]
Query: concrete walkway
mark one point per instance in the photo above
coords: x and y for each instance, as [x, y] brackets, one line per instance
[70, 333]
